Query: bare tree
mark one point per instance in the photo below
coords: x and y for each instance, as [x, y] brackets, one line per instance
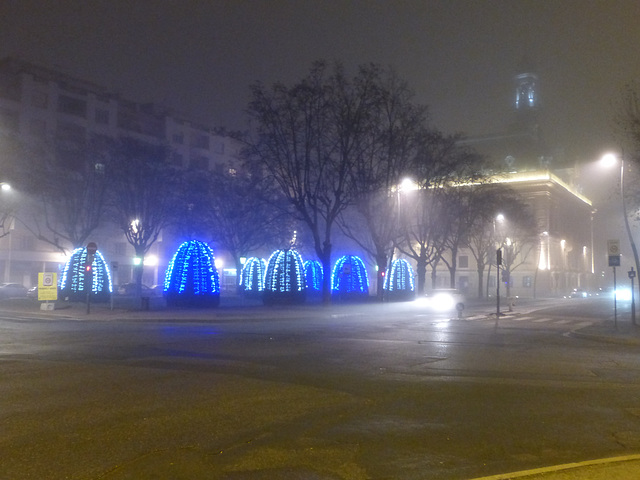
[393, 138]
[243, 212]
[66, 179]
[431, 219]
[145, 194]
[309, 137]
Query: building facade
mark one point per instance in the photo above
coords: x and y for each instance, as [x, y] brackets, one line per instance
[40, 106]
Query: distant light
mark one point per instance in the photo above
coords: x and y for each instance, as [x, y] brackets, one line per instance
[218, 263]
[5, 187]
[500, 217]
[608, 160]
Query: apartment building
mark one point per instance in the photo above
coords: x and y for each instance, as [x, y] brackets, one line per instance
[42, 105]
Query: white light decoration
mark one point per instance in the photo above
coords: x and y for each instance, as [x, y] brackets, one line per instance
[252, 275]
[75, 277]
[313, 275]
[399, 281]
[284, 278]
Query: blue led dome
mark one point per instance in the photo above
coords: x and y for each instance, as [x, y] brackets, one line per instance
[349, 280]
[192, 278]
[252, 276]
[75, 279]
[399, 283]
[284, 280]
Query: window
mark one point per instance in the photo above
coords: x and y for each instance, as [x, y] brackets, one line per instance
[72, 106]
[463, 261]
[102, 116]
[200, 141]
[527, 281]
[26, 242]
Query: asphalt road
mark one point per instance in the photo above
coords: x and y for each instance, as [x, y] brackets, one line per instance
[347, 392]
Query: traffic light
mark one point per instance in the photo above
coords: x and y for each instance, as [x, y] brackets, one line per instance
[87, 268]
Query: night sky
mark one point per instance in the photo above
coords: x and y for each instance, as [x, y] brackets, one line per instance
[200, 57]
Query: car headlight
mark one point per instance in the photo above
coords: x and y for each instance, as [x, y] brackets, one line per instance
[623, 294]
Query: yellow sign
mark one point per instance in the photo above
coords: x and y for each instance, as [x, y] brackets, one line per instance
[47, 286]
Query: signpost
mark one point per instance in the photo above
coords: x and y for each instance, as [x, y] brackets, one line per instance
[632, 275]
[47, 289]
[613, 247]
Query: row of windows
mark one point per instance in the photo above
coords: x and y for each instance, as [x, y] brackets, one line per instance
[198, 140]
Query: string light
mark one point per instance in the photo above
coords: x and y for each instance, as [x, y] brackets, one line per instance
[252, 275]
[192, 278]
[284, 279]
[313, 275]
[75, 277]
[400, 282]
[349, 278]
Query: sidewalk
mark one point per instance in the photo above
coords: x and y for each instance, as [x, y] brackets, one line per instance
[616, 468]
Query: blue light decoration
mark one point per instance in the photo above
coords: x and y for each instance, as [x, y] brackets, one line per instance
[349, 280]
[313, 275]
[399, 283]
[284, 280]
[76, 281]
[192, 279]
[252, 276]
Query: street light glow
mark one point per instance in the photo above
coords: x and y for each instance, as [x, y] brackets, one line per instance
[609, 160]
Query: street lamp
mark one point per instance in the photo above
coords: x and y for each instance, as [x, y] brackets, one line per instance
[609, 160]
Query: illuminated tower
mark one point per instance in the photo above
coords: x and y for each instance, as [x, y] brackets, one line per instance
[526, 101]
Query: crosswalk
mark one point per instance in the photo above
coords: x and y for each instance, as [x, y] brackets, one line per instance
[571, 323]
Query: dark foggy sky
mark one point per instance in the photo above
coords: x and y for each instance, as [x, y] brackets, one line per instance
[458, 56]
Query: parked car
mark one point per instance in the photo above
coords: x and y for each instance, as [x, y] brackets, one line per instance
[12, 290]
[129, 289]
[33, 292]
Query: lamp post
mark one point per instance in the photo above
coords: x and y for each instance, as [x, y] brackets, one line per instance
[608, 160]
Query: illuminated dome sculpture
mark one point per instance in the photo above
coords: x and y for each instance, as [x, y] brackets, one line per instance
[76, 277]
[252, 276]
[399, 283]
[349, 280]
[192, 278]
[284, 281]
[313, 275]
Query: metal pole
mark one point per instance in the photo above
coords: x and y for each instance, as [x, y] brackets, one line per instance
[632, 276]
[498, 263]
[615, 300]
[633, 304]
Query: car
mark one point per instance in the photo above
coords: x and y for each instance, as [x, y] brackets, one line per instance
[33, 292]
[443, 300]
[579, 293]
[129, 289]
[12, 290]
